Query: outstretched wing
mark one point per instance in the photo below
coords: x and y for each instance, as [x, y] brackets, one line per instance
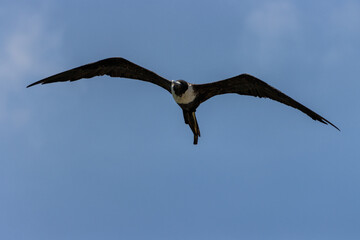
[245, 84]
[114, 67]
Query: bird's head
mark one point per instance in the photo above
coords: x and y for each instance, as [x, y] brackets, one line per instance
[179, 87]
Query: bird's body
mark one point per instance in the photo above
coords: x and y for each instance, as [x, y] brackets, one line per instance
[188, 96]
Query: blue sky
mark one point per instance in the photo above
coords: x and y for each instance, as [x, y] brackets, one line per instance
[112, 158]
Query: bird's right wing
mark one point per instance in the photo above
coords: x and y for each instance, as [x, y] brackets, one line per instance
[114, 67]
[246, 84]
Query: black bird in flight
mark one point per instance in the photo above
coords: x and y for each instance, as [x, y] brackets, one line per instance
[187, 95]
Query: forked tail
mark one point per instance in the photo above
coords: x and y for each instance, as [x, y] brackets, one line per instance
[190, 118]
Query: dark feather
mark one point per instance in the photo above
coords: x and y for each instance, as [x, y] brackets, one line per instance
[246, 84]
[114, 67]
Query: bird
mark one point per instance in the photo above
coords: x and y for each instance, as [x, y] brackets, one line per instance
[187, 95]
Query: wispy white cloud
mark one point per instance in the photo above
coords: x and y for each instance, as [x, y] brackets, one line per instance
[273, 20]
[344, 35]
[269, 29]
[26, 41]
[24, 46]
[346, 17]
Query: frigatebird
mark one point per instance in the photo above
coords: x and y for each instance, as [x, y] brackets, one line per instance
[187, 95]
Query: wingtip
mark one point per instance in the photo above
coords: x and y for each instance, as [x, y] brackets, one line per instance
[328, 122]
[335, 127]
[35, 83]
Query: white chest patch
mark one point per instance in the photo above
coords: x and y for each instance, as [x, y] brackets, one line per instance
[187, 97]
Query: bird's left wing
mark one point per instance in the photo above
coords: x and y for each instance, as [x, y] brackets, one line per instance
[114, 67]
[246, 84]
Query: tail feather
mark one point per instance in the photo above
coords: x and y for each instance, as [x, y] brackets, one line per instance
[190, 118]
